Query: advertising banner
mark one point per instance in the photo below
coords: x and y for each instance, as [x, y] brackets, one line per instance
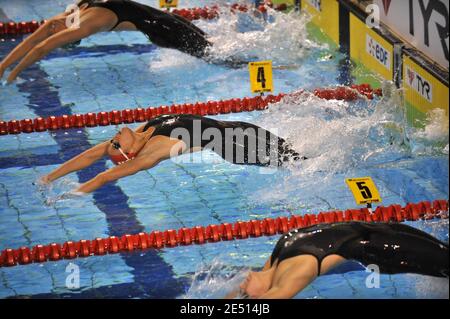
[422, 23]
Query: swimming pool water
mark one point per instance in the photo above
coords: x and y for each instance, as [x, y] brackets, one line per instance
[119, 70]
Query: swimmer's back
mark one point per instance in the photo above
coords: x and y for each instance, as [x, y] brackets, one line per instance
[162, 28]
[394, 248]
[234, 136]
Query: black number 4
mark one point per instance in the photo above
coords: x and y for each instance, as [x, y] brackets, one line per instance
[260, 77]
[365, 191]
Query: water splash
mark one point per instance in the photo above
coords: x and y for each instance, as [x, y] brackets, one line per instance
[427, 287]
[215, 280]
[249, 36]
[433, 138]
[339, 138]
[59, 192]
[339, 135]
[438, 228]
[246, 36]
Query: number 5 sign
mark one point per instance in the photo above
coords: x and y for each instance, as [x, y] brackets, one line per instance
[261, 76]
[364, 190]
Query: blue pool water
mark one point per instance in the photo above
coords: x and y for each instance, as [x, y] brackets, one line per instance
[119, 70]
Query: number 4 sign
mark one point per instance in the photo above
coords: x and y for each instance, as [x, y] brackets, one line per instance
[261, 76]
[168, 3]
[364, 190]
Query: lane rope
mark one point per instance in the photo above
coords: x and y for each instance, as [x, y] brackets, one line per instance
[424, 210]
[128, 116]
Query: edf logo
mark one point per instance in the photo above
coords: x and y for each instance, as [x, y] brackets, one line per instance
[378, 52]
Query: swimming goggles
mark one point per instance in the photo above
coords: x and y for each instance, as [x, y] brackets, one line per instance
[123, 157]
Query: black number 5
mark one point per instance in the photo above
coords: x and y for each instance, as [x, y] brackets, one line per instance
[365, 191]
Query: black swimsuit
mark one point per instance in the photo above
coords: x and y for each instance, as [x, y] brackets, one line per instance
[236, 142]
[394, 248]
[163, 29]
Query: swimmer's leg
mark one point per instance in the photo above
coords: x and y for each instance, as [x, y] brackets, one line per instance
[241, 154]
[405, 229]
[286, 153]
[416, 253]
[188, 24]
[186, 36]
[257, 147]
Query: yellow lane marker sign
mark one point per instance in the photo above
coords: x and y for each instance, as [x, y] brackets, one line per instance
[261, 76]
[364, 190]
[168, 3]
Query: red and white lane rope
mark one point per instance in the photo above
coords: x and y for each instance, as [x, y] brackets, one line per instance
[128, 116]
[215, 233]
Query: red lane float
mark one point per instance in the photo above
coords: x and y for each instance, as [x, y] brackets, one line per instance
[215, 233]
[15, 28]
[127, 116]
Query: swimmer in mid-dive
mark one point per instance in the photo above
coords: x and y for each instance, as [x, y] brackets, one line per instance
[303, 254]
[162, 28]
[168, 136]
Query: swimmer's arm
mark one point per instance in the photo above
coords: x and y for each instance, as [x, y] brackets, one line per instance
[25, 46]
[140, 128]
[286, 291]
[233, 294]
[126, 169]
[293, 280]
[79, 162]
[55, 41]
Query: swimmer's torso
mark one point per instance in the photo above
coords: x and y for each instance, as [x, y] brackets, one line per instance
[163, 29]
[394, 248]
[242, 138]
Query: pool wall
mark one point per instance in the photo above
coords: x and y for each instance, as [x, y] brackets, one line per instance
[380, 54]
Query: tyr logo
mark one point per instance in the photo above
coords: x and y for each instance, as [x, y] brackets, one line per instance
[419, 84]
[411, 76]
[434, 6]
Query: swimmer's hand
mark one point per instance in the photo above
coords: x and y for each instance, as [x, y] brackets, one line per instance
[44, 180]
[11, 78]
[2, 71]
[71, 194]
[64, 196]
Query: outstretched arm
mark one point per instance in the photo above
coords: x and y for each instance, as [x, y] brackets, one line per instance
[55, 41]
[160, 152]
[125, 169]
[79, 162]
[293, 280]
[42, 33]
[233, 294]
